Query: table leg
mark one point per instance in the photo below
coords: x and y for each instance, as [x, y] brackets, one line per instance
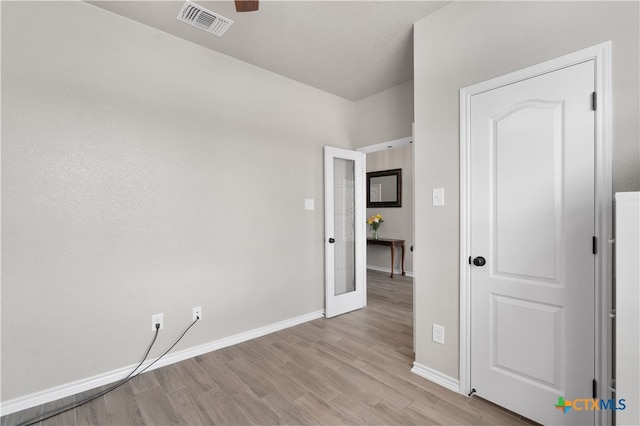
[393, 252]
[403, 260]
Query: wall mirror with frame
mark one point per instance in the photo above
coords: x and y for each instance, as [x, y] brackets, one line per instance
[384, 188]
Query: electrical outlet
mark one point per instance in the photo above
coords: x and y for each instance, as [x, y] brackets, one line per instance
[438, 334]
[157, 319]
[197, 313]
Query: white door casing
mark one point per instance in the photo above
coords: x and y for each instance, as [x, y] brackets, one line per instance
[529, 286]
[345, 231]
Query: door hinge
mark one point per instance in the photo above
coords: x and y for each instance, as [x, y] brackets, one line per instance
[612, 386]
[595, 388]
[594, 101]
[594, 245]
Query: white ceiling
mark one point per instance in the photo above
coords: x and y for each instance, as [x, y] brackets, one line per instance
[353, 49]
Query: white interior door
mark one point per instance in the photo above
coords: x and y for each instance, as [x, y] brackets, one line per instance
[345, 227]
[532, 265]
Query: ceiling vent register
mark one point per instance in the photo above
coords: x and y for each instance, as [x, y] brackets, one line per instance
[204, 19]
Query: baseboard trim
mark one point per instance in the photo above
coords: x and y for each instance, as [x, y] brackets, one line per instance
[388, 270]
[436, 377]
[83, 385]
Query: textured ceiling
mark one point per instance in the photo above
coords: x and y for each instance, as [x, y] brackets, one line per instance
[353, 49]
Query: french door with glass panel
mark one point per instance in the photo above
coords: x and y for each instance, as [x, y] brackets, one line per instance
[345, 227]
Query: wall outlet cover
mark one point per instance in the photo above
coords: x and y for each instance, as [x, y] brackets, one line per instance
[438, 334]
[197, 313]
[157, 319]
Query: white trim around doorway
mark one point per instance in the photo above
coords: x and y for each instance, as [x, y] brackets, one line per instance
[396, 143]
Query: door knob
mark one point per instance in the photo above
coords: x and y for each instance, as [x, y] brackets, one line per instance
[479, 261]
[331, 240]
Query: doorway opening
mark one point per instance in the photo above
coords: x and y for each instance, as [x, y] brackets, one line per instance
[398, 222]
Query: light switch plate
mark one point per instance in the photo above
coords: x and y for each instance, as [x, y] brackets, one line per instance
[309, 204]
[438, 197]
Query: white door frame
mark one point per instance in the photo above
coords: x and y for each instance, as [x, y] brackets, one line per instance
[601, 53]
[383, 146]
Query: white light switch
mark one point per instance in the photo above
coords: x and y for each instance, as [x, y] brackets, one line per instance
[438, 197]
[309, 204]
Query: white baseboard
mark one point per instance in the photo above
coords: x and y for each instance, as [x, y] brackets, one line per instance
[83, 385]
[436, 377]
[388, 270]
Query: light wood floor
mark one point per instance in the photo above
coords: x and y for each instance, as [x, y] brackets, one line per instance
[352, 369]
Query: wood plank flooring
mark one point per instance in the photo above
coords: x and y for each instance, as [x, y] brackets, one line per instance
[350, 370]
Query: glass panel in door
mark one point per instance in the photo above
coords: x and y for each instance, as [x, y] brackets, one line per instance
[344, 225]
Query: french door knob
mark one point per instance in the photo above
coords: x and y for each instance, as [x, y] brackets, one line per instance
[331, 240]
[479, 261]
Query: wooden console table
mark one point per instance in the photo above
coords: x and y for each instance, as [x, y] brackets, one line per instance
[389, 243]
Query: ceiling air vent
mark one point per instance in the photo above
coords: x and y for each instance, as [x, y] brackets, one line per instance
[204, 19]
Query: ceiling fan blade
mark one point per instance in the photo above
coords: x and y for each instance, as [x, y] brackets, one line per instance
[246, 5]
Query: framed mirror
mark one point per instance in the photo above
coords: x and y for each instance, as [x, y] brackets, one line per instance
[384, 188]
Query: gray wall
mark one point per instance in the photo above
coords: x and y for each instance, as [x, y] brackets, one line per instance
[468, 42]
[145, 174]
[385, 116]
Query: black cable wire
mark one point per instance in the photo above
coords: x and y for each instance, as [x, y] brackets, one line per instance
[116, 386]
[171, 347]
[69, 407]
